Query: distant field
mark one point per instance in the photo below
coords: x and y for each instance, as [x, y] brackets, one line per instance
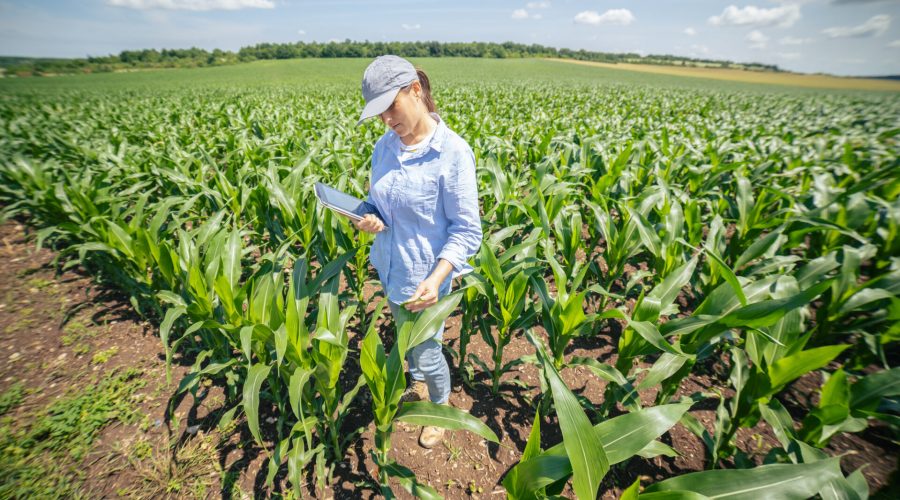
[764, 77]
[446, 72]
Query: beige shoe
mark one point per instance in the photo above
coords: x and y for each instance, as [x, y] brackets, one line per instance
[418, 391]
[430, 436]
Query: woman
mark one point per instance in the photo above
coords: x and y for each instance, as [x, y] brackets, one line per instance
[427, 224]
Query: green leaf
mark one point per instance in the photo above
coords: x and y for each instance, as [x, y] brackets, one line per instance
[582, 445]
[864, 297]
[525, 482]
[648, 235]
[246, 335]
[779, 420]
[281, 341]
[649, 332]
[768, 312]
[631, 492]
[231, 259]
[657, 448]
[674, 495]
[252, 386]
[664, 367]
[757, 248]
[533, 446]
[426, 322]
[668, 290]
[491, 268]
[164, 328]
[295, 389]
[408, 481]
[868, 391]
[792, 367]
[766, 481]
[445, 416]
[602, 370]
[624, 436]
[528, 478]
[836, 390]
[122, 240]
[729, 276]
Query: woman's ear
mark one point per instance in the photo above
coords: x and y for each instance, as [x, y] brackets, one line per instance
[416, 88]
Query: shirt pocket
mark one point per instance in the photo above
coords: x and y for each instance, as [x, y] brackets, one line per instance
[422, 193]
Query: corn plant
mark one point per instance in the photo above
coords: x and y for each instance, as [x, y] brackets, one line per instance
[505, 287]
[844, 406]
[563, 316]
[587, 452]
[386, 380]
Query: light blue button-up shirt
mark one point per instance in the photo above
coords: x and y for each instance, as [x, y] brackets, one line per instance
[429, 202]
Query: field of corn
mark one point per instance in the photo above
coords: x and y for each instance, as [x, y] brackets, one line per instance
[749, 232]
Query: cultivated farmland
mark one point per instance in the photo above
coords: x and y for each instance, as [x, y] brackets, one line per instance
[685, 287]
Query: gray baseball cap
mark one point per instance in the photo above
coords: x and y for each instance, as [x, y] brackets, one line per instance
[384, 77]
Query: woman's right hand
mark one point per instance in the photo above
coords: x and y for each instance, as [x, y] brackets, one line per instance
[370, 224]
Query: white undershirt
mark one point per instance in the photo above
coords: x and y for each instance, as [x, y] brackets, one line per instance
[407, 152]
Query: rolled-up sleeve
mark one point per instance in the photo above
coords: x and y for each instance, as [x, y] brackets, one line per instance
[460, 203]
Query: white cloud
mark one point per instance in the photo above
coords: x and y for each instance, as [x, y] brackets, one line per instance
[790, 56]
[622, 17]
[790, 40]
[690, 31]
[538, 5]
[195, 5]
[750, 15]
[875, 26]
[757, 40]
[895, 44]
[520, 14]
[409, 27]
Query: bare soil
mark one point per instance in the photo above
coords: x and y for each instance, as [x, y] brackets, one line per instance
[53, 325]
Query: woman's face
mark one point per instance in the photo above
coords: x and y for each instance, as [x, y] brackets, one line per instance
[404, 115]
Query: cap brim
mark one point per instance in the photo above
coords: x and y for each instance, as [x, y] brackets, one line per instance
[378, 105]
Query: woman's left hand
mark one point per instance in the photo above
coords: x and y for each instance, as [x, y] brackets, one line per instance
[426, 295]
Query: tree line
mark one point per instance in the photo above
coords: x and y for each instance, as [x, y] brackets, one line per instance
[196, 57]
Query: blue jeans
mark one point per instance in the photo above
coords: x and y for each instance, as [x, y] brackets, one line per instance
[426, 361]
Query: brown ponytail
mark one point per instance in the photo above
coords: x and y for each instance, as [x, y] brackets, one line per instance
[426, 91]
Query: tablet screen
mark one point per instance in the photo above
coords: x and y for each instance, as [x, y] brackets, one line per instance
[340, 201]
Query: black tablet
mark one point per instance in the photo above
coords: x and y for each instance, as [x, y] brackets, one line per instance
[343, 203]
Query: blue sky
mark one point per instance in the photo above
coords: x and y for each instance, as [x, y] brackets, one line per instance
[845, 37]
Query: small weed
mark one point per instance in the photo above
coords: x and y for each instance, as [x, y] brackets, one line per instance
[38, 283]
[12, 397]
[74, 331]
[22, 273]
[103, 356]
[455, 451]
[24, 322]
[185, 473]
[82, 348]
[142, 450]
[42, 460]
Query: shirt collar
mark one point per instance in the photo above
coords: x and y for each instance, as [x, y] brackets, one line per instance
[437, 139]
